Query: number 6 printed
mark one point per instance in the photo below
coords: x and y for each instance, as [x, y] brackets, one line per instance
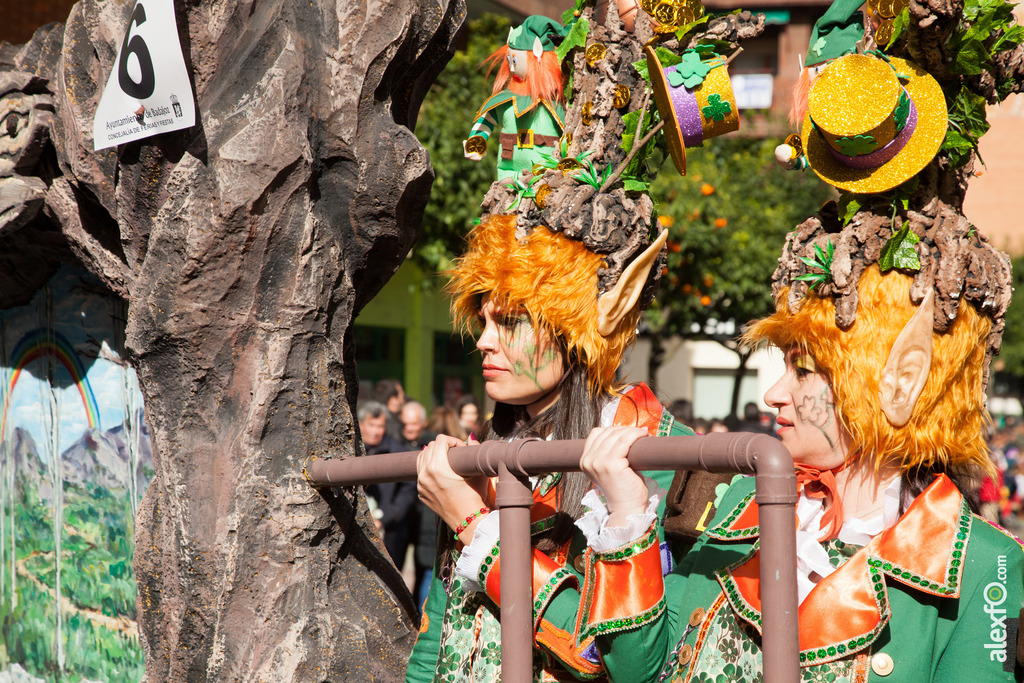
[137, 46]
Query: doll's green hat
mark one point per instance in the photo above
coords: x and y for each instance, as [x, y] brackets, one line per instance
[836, 33]
[535, 27]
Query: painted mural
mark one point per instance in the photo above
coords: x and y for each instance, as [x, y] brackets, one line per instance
[75, 459]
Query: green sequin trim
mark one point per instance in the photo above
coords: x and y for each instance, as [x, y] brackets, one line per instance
[834, 651]
[542, 525]
[547, 591]
[732, 591]
[602, 628]
[485, 566]
[624, 552]
[722, 531]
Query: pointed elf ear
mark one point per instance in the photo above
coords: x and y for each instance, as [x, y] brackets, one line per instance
[538, 48]
[906, 370]
[613, 306]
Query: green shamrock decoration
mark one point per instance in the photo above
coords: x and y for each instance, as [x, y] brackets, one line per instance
[818, 46]
[902, 111]
[716, 109]
[689, 72]
[856, 145]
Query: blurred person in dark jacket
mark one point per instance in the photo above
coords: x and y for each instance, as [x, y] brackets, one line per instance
[396, 501]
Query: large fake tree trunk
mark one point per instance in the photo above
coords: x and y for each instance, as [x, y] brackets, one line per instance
[245, 247]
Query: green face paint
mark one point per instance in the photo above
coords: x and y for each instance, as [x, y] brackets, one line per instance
[522, 362]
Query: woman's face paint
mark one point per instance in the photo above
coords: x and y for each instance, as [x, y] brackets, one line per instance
[808, 421]
[522, 364]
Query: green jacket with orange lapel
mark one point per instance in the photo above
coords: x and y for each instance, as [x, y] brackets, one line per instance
[439, 655]
[936, 597]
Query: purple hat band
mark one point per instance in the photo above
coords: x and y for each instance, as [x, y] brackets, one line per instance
[687, 114]
[884, 154]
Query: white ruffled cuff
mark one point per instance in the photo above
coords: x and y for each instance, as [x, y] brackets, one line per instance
[602, 538]
[485, 537]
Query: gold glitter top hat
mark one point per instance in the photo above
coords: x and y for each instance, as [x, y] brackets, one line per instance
[695, 99]
[871, 123]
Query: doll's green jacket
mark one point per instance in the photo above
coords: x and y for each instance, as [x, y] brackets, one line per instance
[936, 597]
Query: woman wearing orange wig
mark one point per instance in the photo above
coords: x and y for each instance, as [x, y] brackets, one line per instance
[896, 574]
[550, 349]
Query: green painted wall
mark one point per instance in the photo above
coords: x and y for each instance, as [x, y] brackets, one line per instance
[420, 312]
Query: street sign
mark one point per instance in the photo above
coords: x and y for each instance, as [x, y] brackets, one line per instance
[148, 91]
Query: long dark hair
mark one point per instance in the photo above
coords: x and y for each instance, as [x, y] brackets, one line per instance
[915, 481]
[573, 415]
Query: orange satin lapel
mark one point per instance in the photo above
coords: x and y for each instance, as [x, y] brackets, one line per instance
[848, 592]
[639, 407]
[921, 541]
[748, 579]
[748, 519]
[611, 601]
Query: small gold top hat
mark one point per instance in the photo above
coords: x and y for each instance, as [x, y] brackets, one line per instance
[871, 124]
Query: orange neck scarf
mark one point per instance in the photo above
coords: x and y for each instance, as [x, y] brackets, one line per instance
[822, 484]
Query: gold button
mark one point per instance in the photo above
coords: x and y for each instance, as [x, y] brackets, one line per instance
[685, 654]
[882, 664]
[580, 563]
[697, 617]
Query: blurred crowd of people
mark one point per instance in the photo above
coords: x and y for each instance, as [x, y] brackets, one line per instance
[753, 420]
[1002, 496]
[391, 422]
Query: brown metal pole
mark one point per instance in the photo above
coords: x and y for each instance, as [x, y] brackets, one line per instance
[513, 497]
[759, 454]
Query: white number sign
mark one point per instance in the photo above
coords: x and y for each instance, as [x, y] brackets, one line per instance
[148, 91]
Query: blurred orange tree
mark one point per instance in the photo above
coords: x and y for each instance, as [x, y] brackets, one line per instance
[727, 221]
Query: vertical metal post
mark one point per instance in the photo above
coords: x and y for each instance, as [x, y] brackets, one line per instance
[513, 497]
[776, 498]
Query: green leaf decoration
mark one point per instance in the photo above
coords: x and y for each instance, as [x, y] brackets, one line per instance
[988, 29]
[823, 262]
[577, 38]
[849, 205]
[686, 28]
[665, 56]
[818, 46]
[716, 109]
[856, 145]
[967, 122]
[635, 185]
[899, 252]
[899, 25]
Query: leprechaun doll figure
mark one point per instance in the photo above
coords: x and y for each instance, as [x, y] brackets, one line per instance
[527, 101]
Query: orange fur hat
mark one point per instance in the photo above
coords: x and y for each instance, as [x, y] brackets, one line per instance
[948, 421]
[554, 278]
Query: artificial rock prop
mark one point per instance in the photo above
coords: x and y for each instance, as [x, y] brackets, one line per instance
[244, 248]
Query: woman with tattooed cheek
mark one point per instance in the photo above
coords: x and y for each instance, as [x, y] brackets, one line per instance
[549, 349]
[896, 576]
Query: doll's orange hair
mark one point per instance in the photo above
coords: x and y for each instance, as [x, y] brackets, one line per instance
[801, 89]
[543, 79]
[946, 429]
[554, 278]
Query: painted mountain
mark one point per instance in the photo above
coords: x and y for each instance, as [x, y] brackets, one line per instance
[67, 611]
